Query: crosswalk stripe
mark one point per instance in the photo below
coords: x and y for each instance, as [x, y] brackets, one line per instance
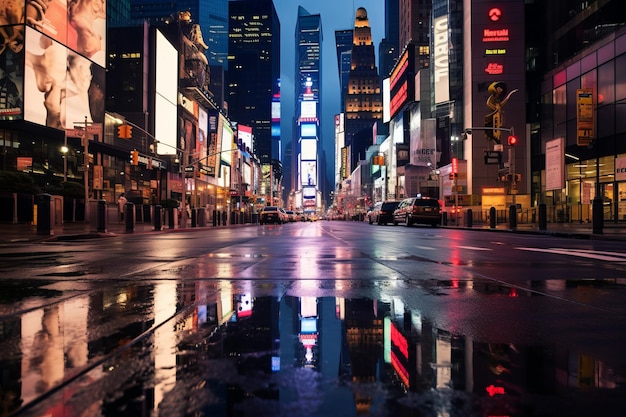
[599, 255]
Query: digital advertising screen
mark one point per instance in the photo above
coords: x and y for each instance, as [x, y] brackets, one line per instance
[166, 97]
[308, 172]
[62, 89]
[308, 130]
[308, 149]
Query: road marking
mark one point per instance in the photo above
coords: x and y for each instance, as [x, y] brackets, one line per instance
[426, 247]
[473, 248]
[583, 253]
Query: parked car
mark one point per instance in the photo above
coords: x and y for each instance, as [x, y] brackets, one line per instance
[418, 210]
[369, 216]
[272, 214]
[382, 213]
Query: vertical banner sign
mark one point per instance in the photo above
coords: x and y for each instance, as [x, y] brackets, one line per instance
[584, 116]
[555, 164]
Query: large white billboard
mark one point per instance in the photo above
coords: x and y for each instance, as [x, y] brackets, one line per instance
[166, 96]
[308, 173]
[308, 149]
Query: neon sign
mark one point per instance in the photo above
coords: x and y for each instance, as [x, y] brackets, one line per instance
[494, 68]
[495, 35]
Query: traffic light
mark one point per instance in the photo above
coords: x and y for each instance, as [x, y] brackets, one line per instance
[134, 157]
[125, 131]
[512, 140]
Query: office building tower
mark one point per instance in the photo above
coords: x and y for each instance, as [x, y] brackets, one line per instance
[253, 78]
[308, 108]
[389, 48]
[343, 44]
[364, 99]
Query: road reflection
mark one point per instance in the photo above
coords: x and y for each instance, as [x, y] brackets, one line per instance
[239, 348]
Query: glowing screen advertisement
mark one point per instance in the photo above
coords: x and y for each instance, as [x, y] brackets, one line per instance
[308, 109]
[227, 141]
[78, 24]
[11, 85]
[166, 97]
[308, 192]
[308, 130]
[244, 134]
[62, 89]
[308, 149]
[308, 172]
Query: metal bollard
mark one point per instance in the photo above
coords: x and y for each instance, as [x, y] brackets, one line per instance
[597, 217]
[513, 217]
[492, 217]
[171, 214]
[157, 217]
[129, 217]
[543, 218]
[470, 218]
[43, 214]
[101, 218]
[215, 217]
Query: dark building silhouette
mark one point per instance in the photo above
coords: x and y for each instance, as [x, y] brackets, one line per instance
[254, 73]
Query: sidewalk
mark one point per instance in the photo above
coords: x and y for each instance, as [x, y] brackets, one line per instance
[16, 233]
[20, 233]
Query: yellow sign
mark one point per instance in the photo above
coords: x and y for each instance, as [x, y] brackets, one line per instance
[584, 116]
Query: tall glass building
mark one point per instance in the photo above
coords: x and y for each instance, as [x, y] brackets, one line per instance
[308, 100]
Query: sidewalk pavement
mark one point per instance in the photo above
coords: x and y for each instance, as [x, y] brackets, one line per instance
[23, 233]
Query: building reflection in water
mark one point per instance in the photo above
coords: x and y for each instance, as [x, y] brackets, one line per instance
[226, 351]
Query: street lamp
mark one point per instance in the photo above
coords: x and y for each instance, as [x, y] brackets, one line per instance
[64, 151]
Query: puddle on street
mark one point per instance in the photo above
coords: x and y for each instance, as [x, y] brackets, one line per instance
[226, 348]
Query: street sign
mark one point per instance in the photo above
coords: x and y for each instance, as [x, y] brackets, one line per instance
[493, 157]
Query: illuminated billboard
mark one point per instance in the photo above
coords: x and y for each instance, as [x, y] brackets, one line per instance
[61, 88]
[166, 96]
[308, 109]
[77, 24]
[308, 173]
[309, 192]
[308, 149]
[244, 135]
[402, 81]
[440, 60]
[308, 130]
[227, 140]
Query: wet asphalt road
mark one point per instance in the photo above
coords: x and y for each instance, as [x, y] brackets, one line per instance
[314, 319]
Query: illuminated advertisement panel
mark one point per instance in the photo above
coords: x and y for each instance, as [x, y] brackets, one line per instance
[202, 138]
[78, 24]
[308, 325]
[166, 96]
[402, 81]
[227, 141]
[386, 101]
[308, 173]
[308, 192]
[61, 88]
[308, 130]
[244, 134]
[440, 59]
[308, 109]
[11, 85]
[308, 149]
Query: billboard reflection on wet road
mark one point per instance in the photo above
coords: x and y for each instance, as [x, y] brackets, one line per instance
[239, 348]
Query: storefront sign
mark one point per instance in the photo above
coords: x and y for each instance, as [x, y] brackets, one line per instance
[620, 169]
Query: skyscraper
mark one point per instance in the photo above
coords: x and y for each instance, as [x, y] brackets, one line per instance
[364, 106]
[308, 101]
[253, 78]
[343, 44]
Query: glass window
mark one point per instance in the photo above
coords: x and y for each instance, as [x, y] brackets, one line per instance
[620, 78]
[606, 83]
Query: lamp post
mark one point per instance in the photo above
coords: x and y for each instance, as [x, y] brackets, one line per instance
[64, 151]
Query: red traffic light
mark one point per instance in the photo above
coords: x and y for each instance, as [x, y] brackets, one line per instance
[512, 140]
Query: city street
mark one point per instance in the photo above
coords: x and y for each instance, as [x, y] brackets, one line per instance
[326, 318]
